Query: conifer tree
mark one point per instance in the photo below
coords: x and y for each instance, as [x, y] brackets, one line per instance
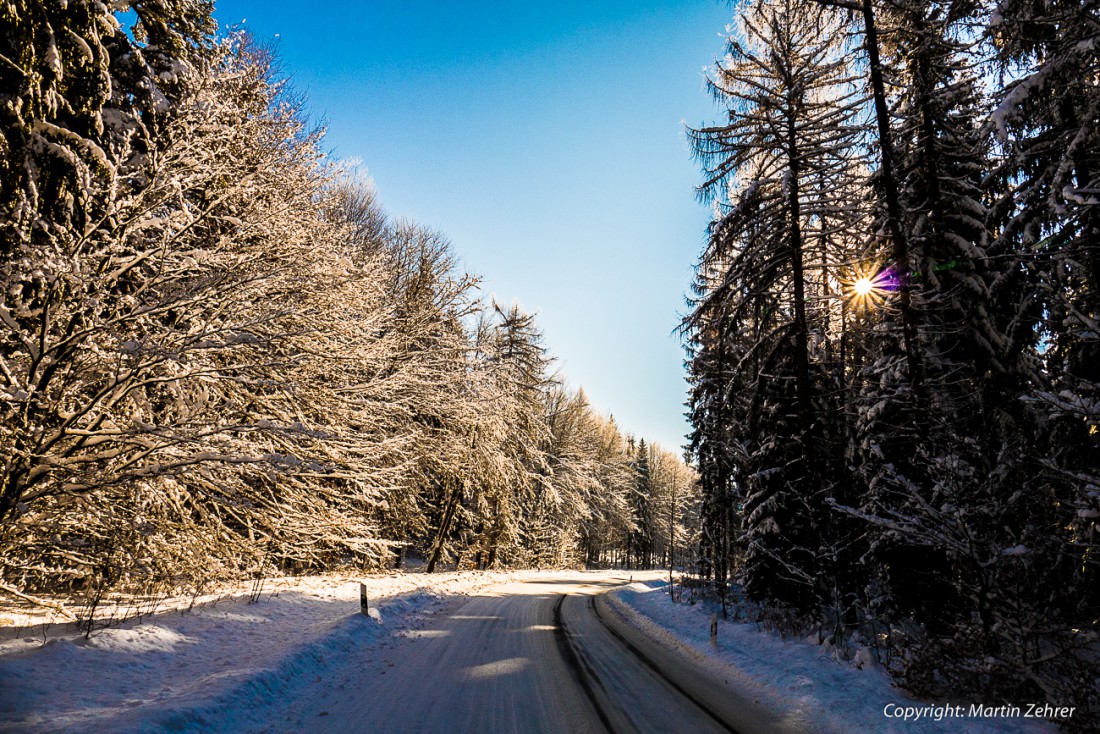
[928, 447]
[791, 130]
[640, 542]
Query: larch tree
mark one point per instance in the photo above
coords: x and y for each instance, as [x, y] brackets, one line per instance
[791, 122]
[513, 511]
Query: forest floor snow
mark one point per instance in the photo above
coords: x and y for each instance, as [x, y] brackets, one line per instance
[803, 682]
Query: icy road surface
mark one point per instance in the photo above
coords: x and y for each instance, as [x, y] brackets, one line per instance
[533, 656]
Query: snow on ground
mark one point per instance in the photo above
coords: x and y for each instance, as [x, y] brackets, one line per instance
[800, 680]
[228, 665]
[225, 665]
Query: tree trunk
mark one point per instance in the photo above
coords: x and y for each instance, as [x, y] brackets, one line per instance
[444, 526]
[900, 245]
[802, 356]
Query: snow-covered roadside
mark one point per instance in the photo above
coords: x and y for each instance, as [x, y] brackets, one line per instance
[222, 666]
[800, 681]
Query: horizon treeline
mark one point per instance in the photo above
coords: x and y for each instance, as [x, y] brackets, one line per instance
[895, 334]
[221, 359]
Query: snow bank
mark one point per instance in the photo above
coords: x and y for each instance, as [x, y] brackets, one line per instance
[224, 666]
[802, 682]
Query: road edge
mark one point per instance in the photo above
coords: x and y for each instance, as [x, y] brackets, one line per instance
[689, 670]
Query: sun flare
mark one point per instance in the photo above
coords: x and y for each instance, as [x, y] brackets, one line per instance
[868, 287]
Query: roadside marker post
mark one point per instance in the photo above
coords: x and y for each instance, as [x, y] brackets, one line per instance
[364, 605]
[714, 630]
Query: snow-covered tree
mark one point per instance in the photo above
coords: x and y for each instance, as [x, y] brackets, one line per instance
[953, 498]
[590, 472]
[927, 444]
[774, 168]
[159, 366]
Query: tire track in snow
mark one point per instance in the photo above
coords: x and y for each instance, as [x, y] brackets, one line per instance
[629, 700]
[578, 666]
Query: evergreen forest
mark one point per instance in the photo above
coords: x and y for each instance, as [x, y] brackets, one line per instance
[895, 334]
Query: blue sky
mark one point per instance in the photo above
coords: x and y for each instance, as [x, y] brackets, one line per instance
[546, 141]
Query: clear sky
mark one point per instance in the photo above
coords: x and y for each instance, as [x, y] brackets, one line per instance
[546, 140]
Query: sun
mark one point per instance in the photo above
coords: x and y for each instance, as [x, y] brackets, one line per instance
[868, 287]
[863, 287]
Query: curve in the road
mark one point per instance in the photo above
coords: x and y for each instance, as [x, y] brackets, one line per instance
[631, 692]
[534, 656]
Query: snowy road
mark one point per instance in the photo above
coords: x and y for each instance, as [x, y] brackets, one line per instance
[526, 657]
[451, 652]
